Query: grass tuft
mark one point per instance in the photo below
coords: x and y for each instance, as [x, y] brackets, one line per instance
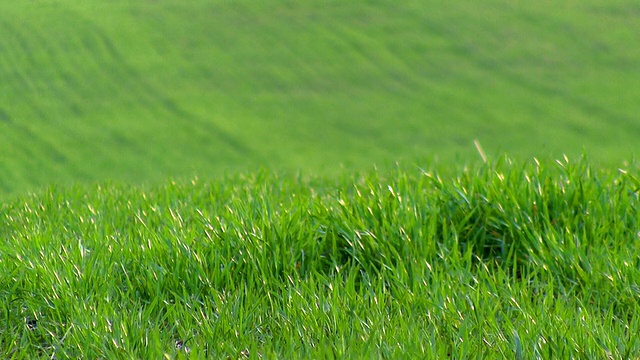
[495, 259]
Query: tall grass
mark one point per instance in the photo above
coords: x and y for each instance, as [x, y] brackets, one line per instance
[498, 259]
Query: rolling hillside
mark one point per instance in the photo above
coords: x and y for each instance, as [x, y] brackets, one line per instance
[141, 91]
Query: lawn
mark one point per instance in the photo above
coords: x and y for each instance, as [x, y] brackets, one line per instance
[319, 179]
[498, 260]
[141, 91]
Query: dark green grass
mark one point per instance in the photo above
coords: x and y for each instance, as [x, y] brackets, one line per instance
[138, 91]
[496, 260]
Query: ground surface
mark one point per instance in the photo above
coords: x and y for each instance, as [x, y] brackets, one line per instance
[138, 91]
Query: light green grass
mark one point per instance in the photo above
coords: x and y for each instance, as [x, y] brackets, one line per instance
[138, 91]
[499, 260]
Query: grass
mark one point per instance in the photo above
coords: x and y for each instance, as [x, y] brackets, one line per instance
[501, 259]
[495, 259]
[140, 91]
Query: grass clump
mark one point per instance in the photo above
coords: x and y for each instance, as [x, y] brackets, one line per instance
[499, 259]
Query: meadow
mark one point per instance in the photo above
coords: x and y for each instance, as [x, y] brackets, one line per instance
[319, 179]
[497, 260]
[141, 91]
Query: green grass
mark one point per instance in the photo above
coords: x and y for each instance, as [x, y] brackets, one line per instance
[139, 91]
[502, 259]
[328, 251]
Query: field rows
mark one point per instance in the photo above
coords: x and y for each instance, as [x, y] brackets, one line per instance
[139, 92]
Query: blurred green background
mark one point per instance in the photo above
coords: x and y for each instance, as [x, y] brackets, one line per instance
[138, 91]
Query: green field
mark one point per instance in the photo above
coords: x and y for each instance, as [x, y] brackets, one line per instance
[235, 179]
[501, 260]
[138, 91]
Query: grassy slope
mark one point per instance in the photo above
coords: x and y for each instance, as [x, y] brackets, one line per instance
[497, 260]
[143, 90]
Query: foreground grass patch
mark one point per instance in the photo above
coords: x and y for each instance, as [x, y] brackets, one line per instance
[496, 260]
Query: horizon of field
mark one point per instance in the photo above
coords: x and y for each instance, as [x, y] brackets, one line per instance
[138, 92]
